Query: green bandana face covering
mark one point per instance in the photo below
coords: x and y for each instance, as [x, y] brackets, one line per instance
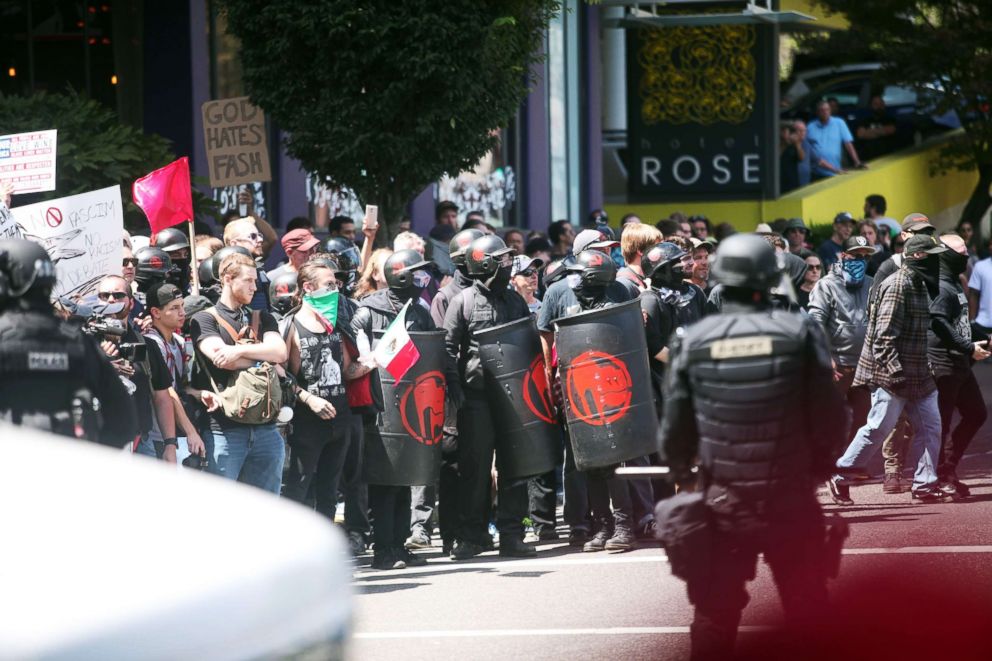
[325, 303]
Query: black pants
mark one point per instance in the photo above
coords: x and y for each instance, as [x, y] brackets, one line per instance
[605, 489]
[793, 552]
[476, 449]
[391, 513]
[353, 486]
[315, 446]
[447, 497]
[641, 494]
[958, 391]
[542, 496]
[576, 510]
[330, 463]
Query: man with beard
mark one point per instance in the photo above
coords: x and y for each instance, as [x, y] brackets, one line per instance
[952, 353]
[244, 233]
[489, 302]
[894, 365]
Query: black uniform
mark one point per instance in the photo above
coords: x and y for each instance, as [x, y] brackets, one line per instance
[473, 309]
[45, 364]
[748, 393]
[390, 505]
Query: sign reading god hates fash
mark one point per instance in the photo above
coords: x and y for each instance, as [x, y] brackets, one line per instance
[234, 133]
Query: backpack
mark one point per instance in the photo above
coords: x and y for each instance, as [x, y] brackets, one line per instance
[251, 396]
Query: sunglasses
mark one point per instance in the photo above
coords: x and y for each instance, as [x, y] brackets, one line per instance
[115, 295]
[527, 273]
[814, 267]
[254, 236]
[131, 261]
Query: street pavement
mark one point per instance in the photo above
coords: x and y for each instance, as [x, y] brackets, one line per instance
[911, 561]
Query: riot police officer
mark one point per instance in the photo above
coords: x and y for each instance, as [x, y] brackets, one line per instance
[52, 376]
[746, 395]
[487, 303]
[461, 280]
[175, 243]
[390, 505]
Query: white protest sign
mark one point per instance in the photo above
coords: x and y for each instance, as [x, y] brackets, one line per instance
[8, 228]
[82, 233]
[27, 160]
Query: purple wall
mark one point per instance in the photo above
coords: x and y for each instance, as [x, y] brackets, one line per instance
[536, 156]
[592, 156]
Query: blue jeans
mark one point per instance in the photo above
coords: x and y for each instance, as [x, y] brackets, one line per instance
[252, 454]
[886, 408]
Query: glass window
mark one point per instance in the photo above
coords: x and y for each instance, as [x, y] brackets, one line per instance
[896, 95]
[491, 187]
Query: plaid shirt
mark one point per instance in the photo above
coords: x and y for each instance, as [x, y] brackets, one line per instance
[895, 352]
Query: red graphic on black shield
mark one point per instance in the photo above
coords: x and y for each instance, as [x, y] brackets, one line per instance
[599, 388]
[537, 396]
[422, 408]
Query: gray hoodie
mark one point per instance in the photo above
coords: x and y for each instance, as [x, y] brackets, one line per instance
[843, 313]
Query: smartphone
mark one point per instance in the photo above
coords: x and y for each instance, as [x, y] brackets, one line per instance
[371, 216]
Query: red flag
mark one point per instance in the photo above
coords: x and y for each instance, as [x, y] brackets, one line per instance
[164, 195]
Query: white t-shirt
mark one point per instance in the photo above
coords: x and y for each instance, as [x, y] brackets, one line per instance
[981, 280]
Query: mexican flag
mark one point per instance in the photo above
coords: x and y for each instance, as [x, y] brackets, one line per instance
[396, 351]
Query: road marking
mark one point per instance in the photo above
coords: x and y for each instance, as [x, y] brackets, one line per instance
[444, 565]
[502, 633]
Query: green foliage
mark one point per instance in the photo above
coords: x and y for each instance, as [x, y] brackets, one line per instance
[94, 149]
[385, 97]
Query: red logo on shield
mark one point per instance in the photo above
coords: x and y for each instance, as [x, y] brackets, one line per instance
[537, 395]
[599, 388]
[422, 408]
[156, 262]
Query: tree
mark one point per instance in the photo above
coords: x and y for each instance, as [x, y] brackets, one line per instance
[94, 149]
[385, 97]
[927, 43]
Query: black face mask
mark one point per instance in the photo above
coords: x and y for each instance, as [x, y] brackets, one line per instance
[955, 263]
[590, 295]
[500, 280]
[669, 277]
[405, 294]
[928, 269]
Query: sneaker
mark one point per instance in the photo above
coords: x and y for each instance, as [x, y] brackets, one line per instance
[892, 484]
[577, 537]
[463, 550]
[411, 559]
[839, 491]
[648, 531]
[419, 539]
[928, 495]
[514, 547]
[598, 541]
[622, 540]
[547, 535]
[356, 543]
[387, 559]
[446, 546]
[963, 490]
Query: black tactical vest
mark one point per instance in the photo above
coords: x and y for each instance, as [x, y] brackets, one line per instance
[748, 372]
[44, 379]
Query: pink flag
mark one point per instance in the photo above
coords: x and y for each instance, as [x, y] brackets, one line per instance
[164, 195]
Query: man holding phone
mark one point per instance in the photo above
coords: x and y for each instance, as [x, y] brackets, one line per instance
[952, 352]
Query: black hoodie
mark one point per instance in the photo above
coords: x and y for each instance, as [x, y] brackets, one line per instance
[949, 343]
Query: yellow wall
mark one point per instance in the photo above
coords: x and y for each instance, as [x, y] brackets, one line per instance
[902, 178]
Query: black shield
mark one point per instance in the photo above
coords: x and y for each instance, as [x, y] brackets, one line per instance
[528, 438]
[404, 449]
[603, 362]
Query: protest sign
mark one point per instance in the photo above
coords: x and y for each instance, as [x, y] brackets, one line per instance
[27, 160]
[234, 133]
[82, 233]
[8, 228]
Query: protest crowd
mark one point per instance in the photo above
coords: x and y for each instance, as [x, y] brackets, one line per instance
[448, 387]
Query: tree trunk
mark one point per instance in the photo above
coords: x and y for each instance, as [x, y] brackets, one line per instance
[980, 201]
[391, 211]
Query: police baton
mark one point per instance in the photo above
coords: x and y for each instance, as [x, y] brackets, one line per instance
[644, 472]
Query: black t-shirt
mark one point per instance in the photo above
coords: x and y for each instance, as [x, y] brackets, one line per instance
[204, 325]
[560, 301]
[152, 374]
[871, 148]
[789, 169]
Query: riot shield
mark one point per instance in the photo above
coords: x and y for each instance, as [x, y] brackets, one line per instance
[603, 361]
[404, 449]
[528, 440]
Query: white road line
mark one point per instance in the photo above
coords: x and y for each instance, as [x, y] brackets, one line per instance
[503, 633]
[536, 563]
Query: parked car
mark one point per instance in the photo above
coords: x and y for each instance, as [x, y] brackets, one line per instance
[803, 82]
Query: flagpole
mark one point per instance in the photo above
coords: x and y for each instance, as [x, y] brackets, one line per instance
[192, 253]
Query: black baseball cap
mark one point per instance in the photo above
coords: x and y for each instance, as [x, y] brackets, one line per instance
[161, 295]
[855, 243]
[916, 222]
[923, 243]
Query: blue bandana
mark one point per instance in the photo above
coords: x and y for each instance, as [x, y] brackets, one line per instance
[854, 271]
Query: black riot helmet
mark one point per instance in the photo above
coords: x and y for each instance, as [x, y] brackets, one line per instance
[206, 272]
[282, 291]
[662, 265]
[26, 271]
[595, 267]
[154, 264]
[171, 240]
[485, 255]
[348, 256]
[459, 245]
[747, 261]
[555, 271]
[400, 267]
[219, 256]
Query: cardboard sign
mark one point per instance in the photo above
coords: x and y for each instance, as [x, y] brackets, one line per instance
[28, 160]
[234, 133]
[82, 233]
